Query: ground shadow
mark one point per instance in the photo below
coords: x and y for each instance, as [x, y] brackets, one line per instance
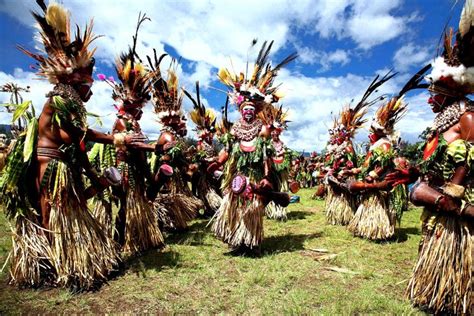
[401, 233]
[193, 236]
[152, 260]
[286, 243]
[295, 215]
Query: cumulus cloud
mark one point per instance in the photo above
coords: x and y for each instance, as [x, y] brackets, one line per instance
[327, 60]
[209, 34]
[410, 55]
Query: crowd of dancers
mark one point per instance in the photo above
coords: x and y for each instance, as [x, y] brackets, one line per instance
[62, 180]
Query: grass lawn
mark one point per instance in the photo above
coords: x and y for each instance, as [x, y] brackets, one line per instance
[307, 267]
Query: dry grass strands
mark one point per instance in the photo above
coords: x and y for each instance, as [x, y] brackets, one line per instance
[102, 212]
[141, 224]
[277, 212]
[30, 255]
[82, 253]
[174, 211]
[374, 218]
[239, 224]
[206, 193]
[442, 277]
[339, 206]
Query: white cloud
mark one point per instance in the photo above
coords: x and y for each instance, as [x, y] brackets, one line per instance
[410, 55]
[210, 33]
[306, 55]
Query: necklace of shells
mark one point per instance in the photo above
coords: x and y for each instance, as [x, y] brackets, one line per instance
[244, 131]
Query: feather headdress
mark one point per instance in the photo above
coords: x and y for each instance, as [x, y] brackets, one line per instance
[258, 86]
[135, 86]
[166, 96]
[63, 55]
[225, 125]
[453, 71]
[352, 118]
[274, 116]
[391, 112]
[205, 119]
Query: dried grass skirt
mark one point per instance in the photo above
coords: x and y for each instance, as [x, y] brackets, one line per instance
[239, 223]
[340, 206]
[374, 219]
[82, 253]
[30, 254]
[141, 224]
[442, 276]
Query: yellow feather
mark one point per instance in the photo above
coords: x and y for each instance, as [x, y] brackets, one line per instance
[279, 94]
[225, 77]
[126, 70]
[58, 18]
[195, 117]
[140, 69]
[398, 104]
[172, 80]
[210, 114]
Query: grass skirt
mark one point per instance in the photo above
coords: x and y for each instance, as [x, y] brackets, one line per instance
[81, 251]
[339, 206]
[212, 201]
[177, 208]
[374, 219]
[30, 255]
[239, 223]
[102, 212]
[141, 224]
[274, 211]
[442, 276]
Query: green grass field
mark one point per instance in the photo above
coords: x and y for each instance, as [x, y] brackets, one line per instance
[307, 267]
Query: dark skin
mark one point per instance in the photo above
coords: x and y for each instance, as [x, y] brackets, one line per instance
[463, 129]
[50, 135]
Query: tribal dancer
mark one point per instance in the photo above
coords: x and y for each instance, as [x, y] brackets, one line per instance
[381, 206]
[56, 239]
[175, 203]
[136, 222]
[340, 203]
[247, 186]
[275, 119]
[203, 182]
[442, 278]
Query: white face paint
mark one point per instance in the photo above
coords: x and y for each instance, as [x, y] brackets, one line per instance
[248, 112]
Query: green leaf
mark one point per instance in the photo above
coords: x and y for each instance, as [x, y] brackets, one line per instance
[20, 110]
[31, 136]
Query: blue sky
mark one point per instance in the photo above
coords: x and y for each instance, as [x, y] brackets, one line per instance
[342, 45]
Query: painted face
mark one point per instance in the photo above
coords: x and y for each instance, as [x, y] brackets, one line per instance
[182, 131]
[84, 89]
[275, 134]
[437, 102]
[207, 137]
[373, 138]
[248, 112]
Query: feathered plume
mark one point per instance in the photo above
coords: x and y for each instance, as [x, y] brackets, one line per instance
[205, 119]
[134, 87]
[391, 113]
[225, 125]
[274, 116]
[63, 56]
[167, 97]
[453, 72]
[353, 118]
[258, 86]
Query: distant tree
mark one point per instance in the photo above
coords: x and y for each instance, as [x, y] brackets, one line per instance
[410, 150]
